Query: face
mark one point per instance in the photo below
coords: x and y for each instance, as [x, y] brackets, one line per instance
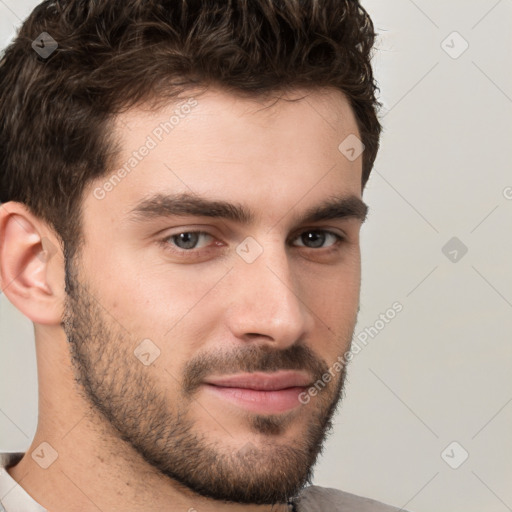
[218, 281]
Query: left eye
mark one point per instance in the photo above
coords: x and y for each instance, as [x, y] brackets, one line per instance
[315, 239]
[188, 239]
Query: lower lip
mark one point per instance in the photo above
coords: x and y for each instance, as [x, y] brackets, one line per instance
[263, 402]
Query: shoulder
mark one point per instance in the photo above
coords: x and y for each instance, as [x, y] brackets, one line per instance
[322, 499]
[8, 459]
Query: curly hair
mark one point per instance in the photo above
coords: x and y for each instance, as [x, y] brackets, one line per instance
[56, 112]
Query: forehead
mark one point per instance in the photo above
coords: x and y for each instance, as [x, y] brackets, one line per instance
[269, 154]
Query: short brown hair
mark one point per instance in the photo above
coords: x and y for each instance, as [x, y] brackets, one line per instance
[112, 55]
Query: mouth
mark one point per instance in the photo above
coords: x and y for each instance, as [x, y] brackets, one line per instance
[264, 393]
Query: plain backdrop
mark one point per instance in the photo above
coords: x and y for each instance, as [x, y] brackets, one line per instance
[426, 422]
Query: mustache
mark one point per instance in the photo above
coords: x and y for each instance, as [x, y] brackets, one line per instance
[250, 359]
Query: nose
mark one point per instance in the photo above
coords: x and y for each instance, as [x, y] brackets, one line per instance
[266, 301]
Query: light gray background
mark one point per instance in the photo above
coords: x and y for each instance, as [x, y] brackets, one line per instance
[439, 372]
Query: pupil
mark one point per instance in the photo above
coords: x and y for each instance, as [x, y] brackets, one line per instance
[314, 238]
[187, 240]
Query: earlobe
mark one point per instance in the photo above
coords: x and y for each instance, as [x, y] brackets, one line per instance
[27, 258]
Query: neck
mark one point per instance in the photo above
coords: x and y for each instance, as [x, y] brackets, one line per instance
[78, 462]
[92, 473]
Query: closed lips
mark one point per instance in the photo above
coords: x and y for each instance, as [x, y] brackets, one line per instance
[262, 381]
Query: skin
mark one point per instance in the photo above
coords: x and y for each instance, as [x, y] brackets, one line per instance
[99, 406]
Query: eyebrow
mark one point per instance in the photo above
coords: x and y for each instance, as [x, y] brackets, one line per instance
[187, 204]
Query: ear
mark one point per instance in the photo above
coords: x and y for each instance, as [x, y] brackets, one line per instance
[31, 265]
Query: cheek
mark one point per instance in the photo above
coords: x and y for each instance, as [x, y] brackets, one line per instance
[147, 286]
[173, 306]
[333, 299]
[337, 309]
[333, 291]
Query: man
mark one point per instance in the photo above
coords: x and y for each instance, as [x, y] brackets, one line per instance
[181, 185]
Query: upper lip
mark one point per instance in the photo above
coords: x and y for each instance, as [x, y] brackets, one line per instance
[262, 381]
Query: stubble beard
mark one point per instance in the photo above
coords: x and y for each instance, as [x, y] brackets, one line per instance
[125, 396]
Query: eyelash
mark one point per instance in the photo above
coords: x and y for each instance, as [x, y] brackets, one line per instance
[164, 242]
